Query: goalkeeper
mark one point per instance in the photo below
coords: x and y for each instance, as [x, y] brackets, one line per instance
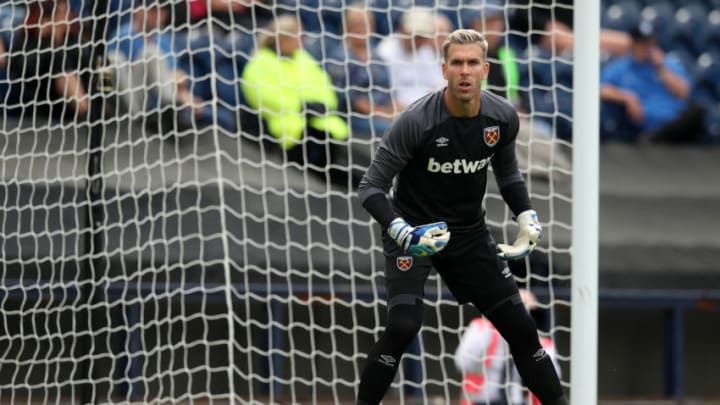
[439, 150]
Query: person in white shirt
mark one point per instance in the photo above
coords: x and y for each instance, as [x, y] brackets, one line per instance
[489, 375]
[411, 56]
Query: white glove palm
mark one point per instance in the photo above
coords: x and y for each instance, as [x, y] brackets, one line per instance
[529, 233]
[423, 240]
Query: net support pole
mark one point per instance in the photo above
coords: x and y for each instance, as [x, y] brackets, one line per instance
[585, 207]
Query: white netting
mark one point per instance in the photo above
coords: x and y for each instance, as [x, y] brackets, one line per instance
[158, 246]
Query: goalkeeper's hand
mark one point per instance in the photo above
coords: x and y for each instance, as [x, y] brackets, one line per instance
[423, 240]
[529, 233]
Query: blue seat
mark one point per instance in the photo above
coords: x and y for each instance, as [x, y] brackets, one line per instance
[239, 46]
[708, 66]
[313, 43]
[660, 14]
[686, 57]
[380, 9]
[10, 18]
[712, 124]
[563, 72]
[563, 121]
[706, 87]
[686, 24]
[319, 45]
[388, 13]
[710, 37]
[120, 13]
[621, 16]
[309, 12]
[331, 13]
[318, 17]
[704, 95]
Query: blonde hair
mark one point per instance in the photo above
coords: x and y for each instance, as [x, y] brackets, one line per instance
[462, 37]
[285, 24]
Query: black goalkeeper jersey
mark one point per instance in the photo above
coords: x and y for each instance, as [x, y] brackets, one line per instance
[441, 162]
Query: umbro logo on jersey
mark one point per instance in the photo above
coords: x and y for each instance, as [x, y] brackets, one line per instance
[441, 142]
[387, 360]
[491, 135]
[506, 273]
[457, 166]
[539, 354]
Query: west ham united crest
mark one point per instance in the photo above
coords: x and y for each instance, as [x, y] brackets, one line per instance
[404, 262]
[491, 135]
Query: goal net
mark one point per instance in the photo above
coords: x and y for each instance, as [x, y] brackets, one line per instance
[160, 243]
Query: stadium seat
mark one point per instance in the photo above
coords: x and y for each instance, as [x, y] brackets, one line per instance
[712, 125]
[331, 12]
[313, 14]
[382, 16]
[312, 42]
[232, 53]
[10, 18]
[320, 46]
[621, 16]
[708, 66]
[237, 46]
[660, 14]
[390, 11]
[710, 38]
[563, 72]
[686, 57]
[706, 88]
[120, 12]
[684, 28]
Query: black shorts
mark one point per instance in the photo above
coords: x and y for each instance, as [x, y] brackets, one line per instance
[468, 265]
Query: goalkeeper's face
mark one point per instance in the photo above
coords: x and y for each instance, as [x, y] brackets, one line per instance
[465, 69]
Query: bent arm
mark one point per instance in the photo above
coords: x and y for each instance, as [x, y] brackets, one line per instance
[676, 84]
[507, 174]
[395, 150]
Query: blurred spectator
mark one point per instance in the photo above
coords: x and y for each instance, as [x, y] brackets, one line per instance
[548, 73]
[365, 76]
[296, 100]
[489, 377]
[150, 85]
[646, 95]
[545, 154]
[410, 53]
[504, 76]
[532, 16]
[46, 61]
[558, 37]
[443, 28]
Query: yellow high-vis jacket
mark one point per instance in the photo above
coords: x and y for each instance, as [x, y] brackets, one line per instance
[279, 87]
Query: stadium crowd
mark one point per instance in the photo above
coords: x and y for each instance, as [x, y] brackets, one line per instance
[375, 58]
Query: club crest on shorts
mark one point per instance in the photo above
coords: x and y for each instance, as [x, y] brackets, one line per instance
[491, 135]
[404, 262]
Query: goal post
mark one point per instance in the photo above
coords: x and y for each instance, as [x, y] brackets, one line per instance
[160, 247]
[586, 201]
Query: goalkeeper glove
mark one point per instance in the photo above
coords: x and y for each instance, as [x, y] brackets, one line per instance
[423, 240]
[528, 235]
